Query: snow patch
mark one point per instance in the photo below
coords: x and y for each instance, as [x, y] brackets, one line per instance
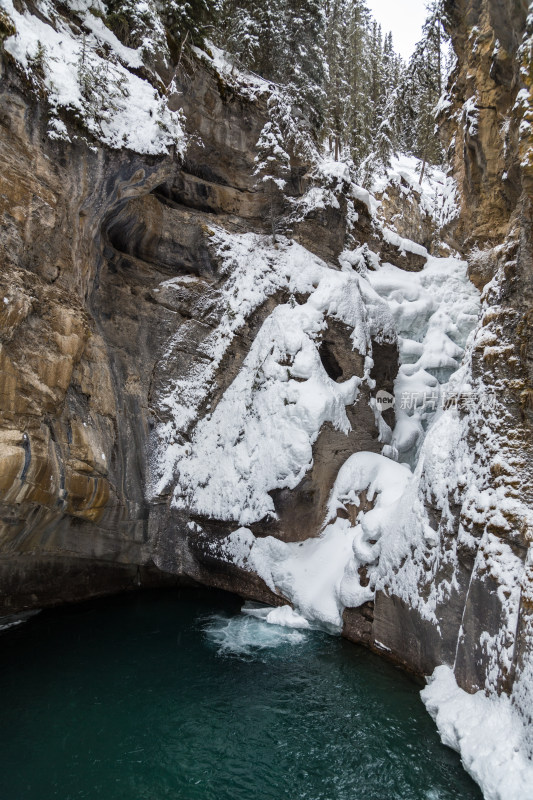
[285, 616]
[486, 732]
[117, 107]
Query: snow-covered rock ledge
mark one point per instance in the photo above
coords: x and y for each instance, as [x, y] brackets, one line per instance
[487, 733]
[90, 81]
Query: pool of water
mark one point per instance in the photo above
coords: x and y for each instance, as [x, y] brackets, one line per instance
[179, 695]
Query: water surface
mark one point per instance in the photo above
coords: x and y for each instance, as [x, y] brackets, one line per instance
[178, 695]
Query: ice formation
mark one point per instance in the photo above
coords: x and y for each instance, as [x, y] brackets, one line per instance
[260, 435]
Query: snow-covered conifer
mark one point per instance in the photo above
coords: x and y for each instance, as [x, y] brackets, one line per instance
[272, 165]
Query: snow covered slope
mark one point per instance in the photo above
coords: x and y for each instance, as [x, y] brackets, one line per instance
[88, 76]
[390, 534]
[260, 435]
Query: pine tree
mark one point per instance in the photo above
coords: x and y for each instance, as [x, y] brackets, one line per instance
[190, 19]
[241, 32]
[38, 66]
[337, 87]
[358, 122]
[337, 71]
[272, 165]
[434, 35]
[283, 41]
[252, 32]
[386, 141]
[423, 88]
[102, 89]
[302, 66]
[375, 128]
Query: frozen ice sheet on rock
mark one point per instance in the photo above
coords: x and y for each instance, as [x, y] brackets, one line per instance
[434, 311]
[375, 534]
[383, 480]
[403, 245]
[260, 435]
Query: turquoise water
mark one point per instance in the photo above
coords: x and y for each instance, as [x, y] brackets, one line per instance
[179, 695]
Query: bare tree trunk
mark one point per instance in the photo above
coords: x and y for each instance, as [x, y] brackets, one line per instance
[178, 64]
[439, 48]
[423, 170]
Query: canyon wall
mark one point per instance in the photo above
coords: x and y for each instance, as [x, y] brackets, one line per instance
[127, 318]
[469, 604]
[92, 337]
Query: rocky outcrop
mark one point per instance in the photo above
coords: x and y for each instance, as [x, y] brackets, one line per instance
[402, 210]
[87, 233]
[482, 624]
[494, 81]
[89, 236]
[482, 120]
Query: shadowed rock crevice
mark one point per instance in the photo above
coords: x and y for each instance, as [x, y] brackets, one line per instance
[168, 238]
[329, 362]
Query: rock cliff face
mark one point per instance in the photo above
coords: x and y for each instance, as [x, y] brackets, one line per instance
[482, 624]
[490, 118]
[491, 100]
[87, 233]
[90, 235]
[125, 324]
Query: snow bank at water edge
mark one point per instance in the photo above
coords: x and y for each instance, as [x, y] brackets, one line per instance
[320, 576]
[486, 732]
